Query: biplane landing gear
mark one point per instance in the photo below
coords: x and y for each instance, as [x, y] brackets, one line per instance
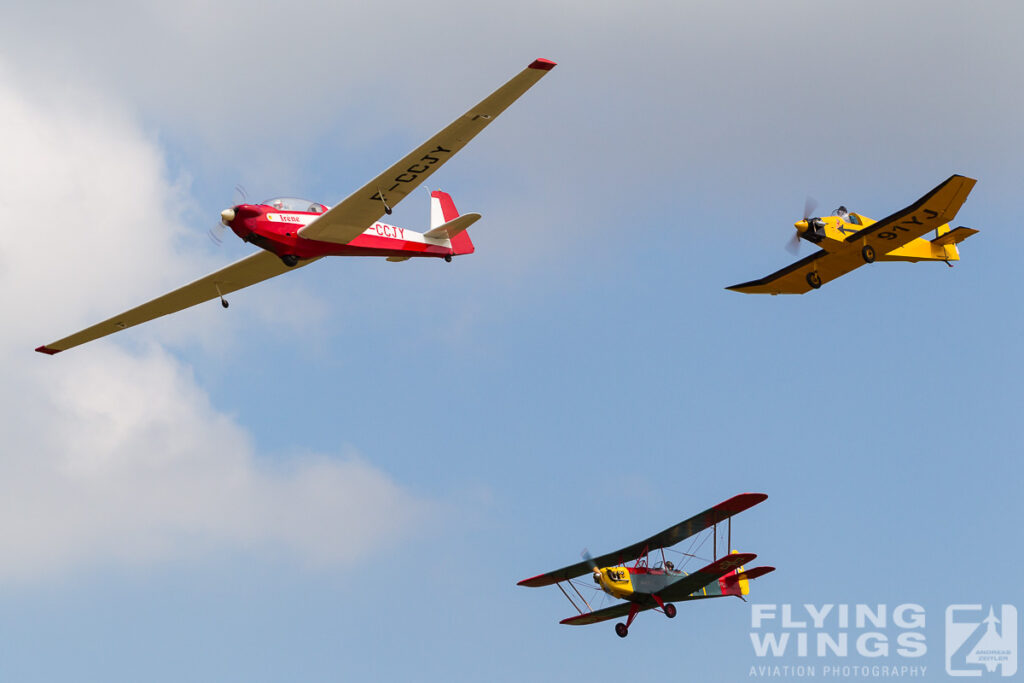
[670, 610]
[447, 258]
[814, 280]
[290, 260]
[868, 252]
[622, 630]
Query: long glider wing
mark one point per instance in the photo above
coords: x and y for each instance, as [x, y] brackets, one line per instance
[347, 220]
[936, 208]
[668, 537]
[248, 271]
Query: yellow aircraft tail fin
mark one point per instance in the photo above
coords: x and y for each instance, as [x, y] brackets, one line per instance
[953, 236]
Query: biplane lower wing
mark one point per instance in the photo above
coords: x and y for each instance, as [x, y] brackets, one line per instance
[607, 613]
[668, 537]
[623, 610]
[935, 209]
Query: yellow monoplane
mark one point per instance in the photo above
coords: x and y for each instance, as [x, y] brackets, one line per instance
[851, 240]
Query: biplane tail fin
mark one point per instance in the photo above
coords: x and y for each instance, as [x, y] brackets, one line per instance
[737, 582]
[445, 222]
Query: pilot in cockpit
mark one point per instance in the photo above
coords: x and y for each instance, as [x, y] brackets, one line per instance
[843, 214]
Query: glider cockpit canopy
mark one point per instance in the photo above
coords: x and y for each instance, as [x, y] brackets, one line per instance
[294, 204]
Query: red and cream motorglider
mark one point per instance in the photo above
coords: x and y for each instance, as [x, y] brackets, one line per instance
[293, 232]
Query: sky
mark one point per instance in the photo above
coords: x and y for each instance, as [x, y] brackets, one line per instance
[344, 475]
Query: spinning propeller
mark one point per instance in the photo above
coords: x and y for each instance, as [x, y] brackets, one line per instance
[810, 204]
[589, 559]
[216, 232]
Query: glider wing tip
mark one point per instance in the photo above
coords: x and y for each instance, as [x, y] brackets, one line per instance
[542, 64]
[47, 350]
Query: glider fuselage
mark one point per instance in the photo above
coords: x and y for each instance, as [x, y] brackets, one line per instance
[277, 231]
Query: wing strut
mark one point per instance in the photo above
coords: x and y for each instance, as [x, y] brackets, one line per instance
[728, 547]
[573, 602]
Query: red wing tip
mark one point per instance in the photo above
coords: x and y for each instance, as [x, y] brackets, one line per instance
[48, 351]
[530, 581]
[573, 621]
[543, 64]
[743, 558]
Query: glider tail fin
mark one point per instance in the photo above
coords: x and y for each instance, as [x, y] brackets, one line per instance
[442, 210]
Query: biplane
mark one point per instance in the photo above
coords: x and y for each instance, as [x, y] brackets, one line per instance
[851, 240]
[646, 586]
[292, 233]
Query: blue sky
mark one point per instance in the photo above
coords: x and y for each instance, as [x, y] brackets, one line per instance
[344, 475]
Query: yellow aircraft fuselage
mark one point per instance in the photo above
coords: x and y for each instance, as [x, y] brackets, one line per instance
[832, 235]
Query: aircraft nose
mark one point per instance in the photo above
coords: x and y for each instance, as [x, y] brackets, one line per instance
[801, 224]
[226, 216]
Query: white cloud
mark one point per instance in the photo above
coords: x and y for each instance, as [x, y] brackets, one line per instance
[111, 456]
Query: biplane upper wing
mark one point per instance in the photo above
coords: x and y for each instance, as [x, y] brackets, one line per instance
[668, 537]
[691, 583]
[248, 271]
[936, 208]
[347, 220]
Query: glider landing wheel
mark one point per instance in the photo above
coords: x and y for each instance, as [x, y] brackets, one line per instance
[448, 258]
[814, 280]
[670, 610]
[868, 252]
[290, 260]
[620, 630]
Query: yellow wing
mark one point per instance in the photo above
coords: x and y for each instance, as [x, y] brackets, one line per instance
[347, 220]
[936, 208]
[793, 279]
[248, 271]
